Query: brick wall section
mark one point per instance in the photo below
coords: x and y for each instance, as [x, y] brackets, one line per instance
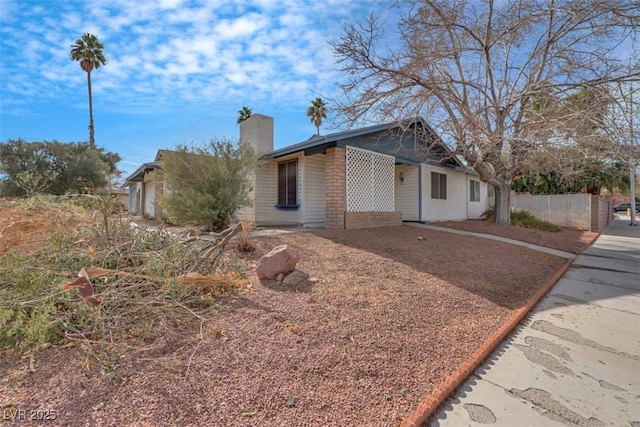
[336, 216]
[335, 178]
[355, 220]
[157, 211]
[601, 212]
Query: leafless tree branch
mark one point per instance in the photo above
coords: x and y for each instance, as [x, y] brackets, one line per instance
[489, 76]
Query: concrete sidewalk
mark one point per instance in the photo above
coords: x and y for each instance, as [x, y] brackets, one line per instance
[575, 359]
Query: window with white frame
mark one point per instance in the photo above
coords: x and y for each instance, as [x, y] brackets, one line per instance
[438, 185]
[474, 191]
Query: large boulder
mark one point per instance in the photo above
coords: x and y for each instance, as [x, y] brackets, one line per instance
[280, 260]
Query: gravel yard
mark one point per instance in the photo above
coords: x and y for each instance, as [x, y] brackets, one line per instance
[387, 314]
[566, 240]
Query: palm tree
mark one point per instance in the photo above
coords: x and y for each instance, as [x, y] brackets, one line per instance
[244, 114]
[317, 112]
[88, 51]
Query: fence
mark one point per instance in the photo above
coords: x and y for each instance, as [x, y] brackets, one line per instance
[582, 211]
[601, 212]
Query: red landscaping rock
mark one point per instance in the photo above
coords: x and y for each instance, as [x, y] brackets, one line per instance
[280, 260]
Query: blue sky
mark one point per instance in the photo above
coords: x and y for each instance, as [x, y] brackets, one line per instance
[177, 72]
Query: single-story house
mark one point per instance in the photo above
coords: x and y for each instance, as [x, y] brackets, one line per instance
[145, 187]
[373, 176]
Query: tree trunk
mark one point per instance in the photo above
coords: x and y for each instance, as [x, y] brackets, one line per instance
[92, 141]
[503, 203]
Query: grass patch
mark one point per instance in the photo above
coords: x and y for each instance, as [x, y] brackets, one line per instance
[524, 219]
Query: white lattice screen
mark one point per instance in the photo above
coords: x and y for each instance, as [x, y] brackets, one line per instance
[369, 181]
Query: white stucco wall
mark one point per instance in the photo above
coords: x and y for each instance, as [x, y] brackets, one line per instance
[134, 193]
[454, 207]
[407, 197]
[149, 182]
[475, 209]
[149, 198]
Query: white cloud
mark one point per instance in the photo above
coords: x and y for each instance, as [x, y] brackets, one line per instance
[293, 20]
[71, 21]
[170, 4]
[172, 50]
[240, 27]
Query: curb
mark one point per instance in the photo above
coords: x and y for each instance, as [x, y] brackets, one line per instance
[453, 381]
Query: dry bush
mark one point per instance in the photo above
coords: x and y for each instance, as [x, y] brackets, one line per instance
[245, 243]
[25, 223]
[149, 282]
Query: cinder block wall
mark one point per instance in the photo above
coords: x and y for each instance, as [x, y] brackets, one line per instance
[335, 179]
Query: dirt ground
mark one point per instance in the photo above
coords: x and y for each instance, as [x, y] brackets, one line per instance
[387, 314]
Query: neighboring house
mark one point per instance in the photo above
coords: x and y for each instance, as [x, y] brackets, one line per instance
[121, 195]
[145, 188]
[374, 176]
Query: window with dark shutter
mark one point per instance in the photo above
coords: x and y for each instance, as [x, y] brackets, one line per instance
[438, 185]
[474, 191]
[288, 183]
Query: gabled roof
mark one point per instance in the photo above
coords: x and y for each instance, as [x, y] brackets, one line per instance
[318, 140]
[142, 169]
[319, 144]
[161, 152]
[148, 167]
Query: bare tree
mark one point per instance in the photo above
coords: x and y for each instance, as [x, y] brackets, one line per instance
[480, 71]
[622, 122]
[581, 138]
[624, 126]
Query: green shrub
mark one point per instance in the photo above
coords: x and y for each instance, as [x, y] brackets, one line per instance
[489, 214]
[527, 220]
[524, 219]
[206, 185]
[30, 314]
